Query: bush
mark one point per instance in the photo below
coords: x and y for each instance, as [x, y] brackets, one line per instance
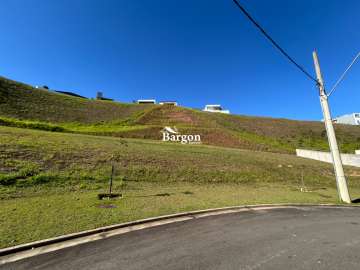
[40, 179]
[29, 124]
[9, 179]
[29, 170]
[22, 174]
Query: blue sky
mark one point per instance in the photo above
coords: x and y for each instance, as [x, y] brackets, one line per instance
[196, 52]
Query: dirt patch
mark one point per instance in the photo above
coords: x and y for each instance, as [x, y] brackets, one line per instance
[169, 115]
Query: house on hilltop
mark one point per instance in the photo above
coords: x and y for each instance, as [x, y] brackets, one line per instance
[146, 101]
[170, 103]
[348, 119]
[100, 96]
[215, 108]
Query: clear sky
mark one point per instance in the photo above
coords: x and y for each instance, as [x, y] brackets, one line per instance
[196, 52]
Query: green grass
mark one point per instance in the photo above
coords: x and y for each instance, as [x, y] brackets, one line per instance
[24, 106]
[21, 101]
[38, 217]
[56, 153]
[11, 122]
[49, 181]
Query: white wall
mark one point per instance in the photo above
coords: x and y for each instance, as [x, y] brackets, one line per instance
[348, 119]
[347, 159]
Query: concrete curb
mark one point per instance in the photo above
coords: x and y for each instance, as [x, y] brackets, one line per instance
[166, 219]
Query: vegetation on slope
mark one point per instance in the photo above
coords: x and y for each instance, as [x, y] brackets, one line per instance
[24, 106]
[71, 158]
[23, 101]
[49, 181]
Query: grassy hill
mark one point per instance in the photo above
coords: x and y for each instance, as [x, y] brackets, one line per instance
[24, 106]
[23, 101]
[49, 181]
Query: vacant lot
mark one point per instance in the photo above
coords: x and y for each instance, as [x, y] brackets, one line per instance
[49, 181]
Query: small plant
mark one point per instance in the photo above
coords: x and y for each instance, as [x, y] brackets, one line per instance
[110, 194]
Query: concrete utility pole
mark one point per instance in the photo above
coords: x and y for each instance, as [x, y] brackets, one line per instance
[338, 168]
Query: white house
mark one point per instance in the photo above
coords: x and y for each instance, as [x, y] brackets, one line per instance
[348, 119]
[171, 103]
[146, 101]
[215, 108]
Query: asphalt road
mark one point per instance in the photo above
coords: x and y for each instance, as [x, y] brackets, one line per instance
[301, 238]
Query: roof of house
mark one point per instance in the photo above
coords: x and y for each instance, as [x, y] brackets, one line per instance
[69, 94]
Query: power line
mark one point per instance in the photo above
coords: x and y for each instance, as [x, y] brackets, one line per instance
[343, 75]
[273, 42]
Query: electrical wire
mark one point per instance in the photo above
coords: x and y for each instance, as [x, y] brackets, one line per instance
[273, 42]
[343, 75]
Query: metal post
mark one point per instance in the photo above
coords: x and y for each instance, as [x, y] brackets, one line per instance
[111, 179]
[338, 168]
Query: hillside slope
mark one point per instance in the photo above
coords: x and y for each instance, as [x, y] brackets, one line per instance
[51, 181]
[72, 114]
[23, 101]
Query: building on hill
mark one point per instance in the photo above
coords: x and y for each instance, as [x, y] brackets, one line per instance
[215, 108]
[348, 119]
[70, 94]
[146, 101]
[171, 103]
[42, 87]
[100, 96]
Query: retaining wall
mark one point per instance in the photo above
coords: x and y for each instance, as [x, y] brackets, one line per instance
[347, 159]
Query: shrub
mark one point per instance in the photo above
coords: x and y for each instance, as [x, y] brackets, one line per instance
[9, 179]
[29, 170]
[40, 179]
[30, 124]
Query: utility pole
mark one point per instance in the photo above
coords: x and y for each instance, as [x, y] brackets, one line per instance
[334, 149]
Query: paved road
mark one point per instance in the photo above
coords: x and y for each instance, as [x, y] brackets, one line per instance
[301, 238]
